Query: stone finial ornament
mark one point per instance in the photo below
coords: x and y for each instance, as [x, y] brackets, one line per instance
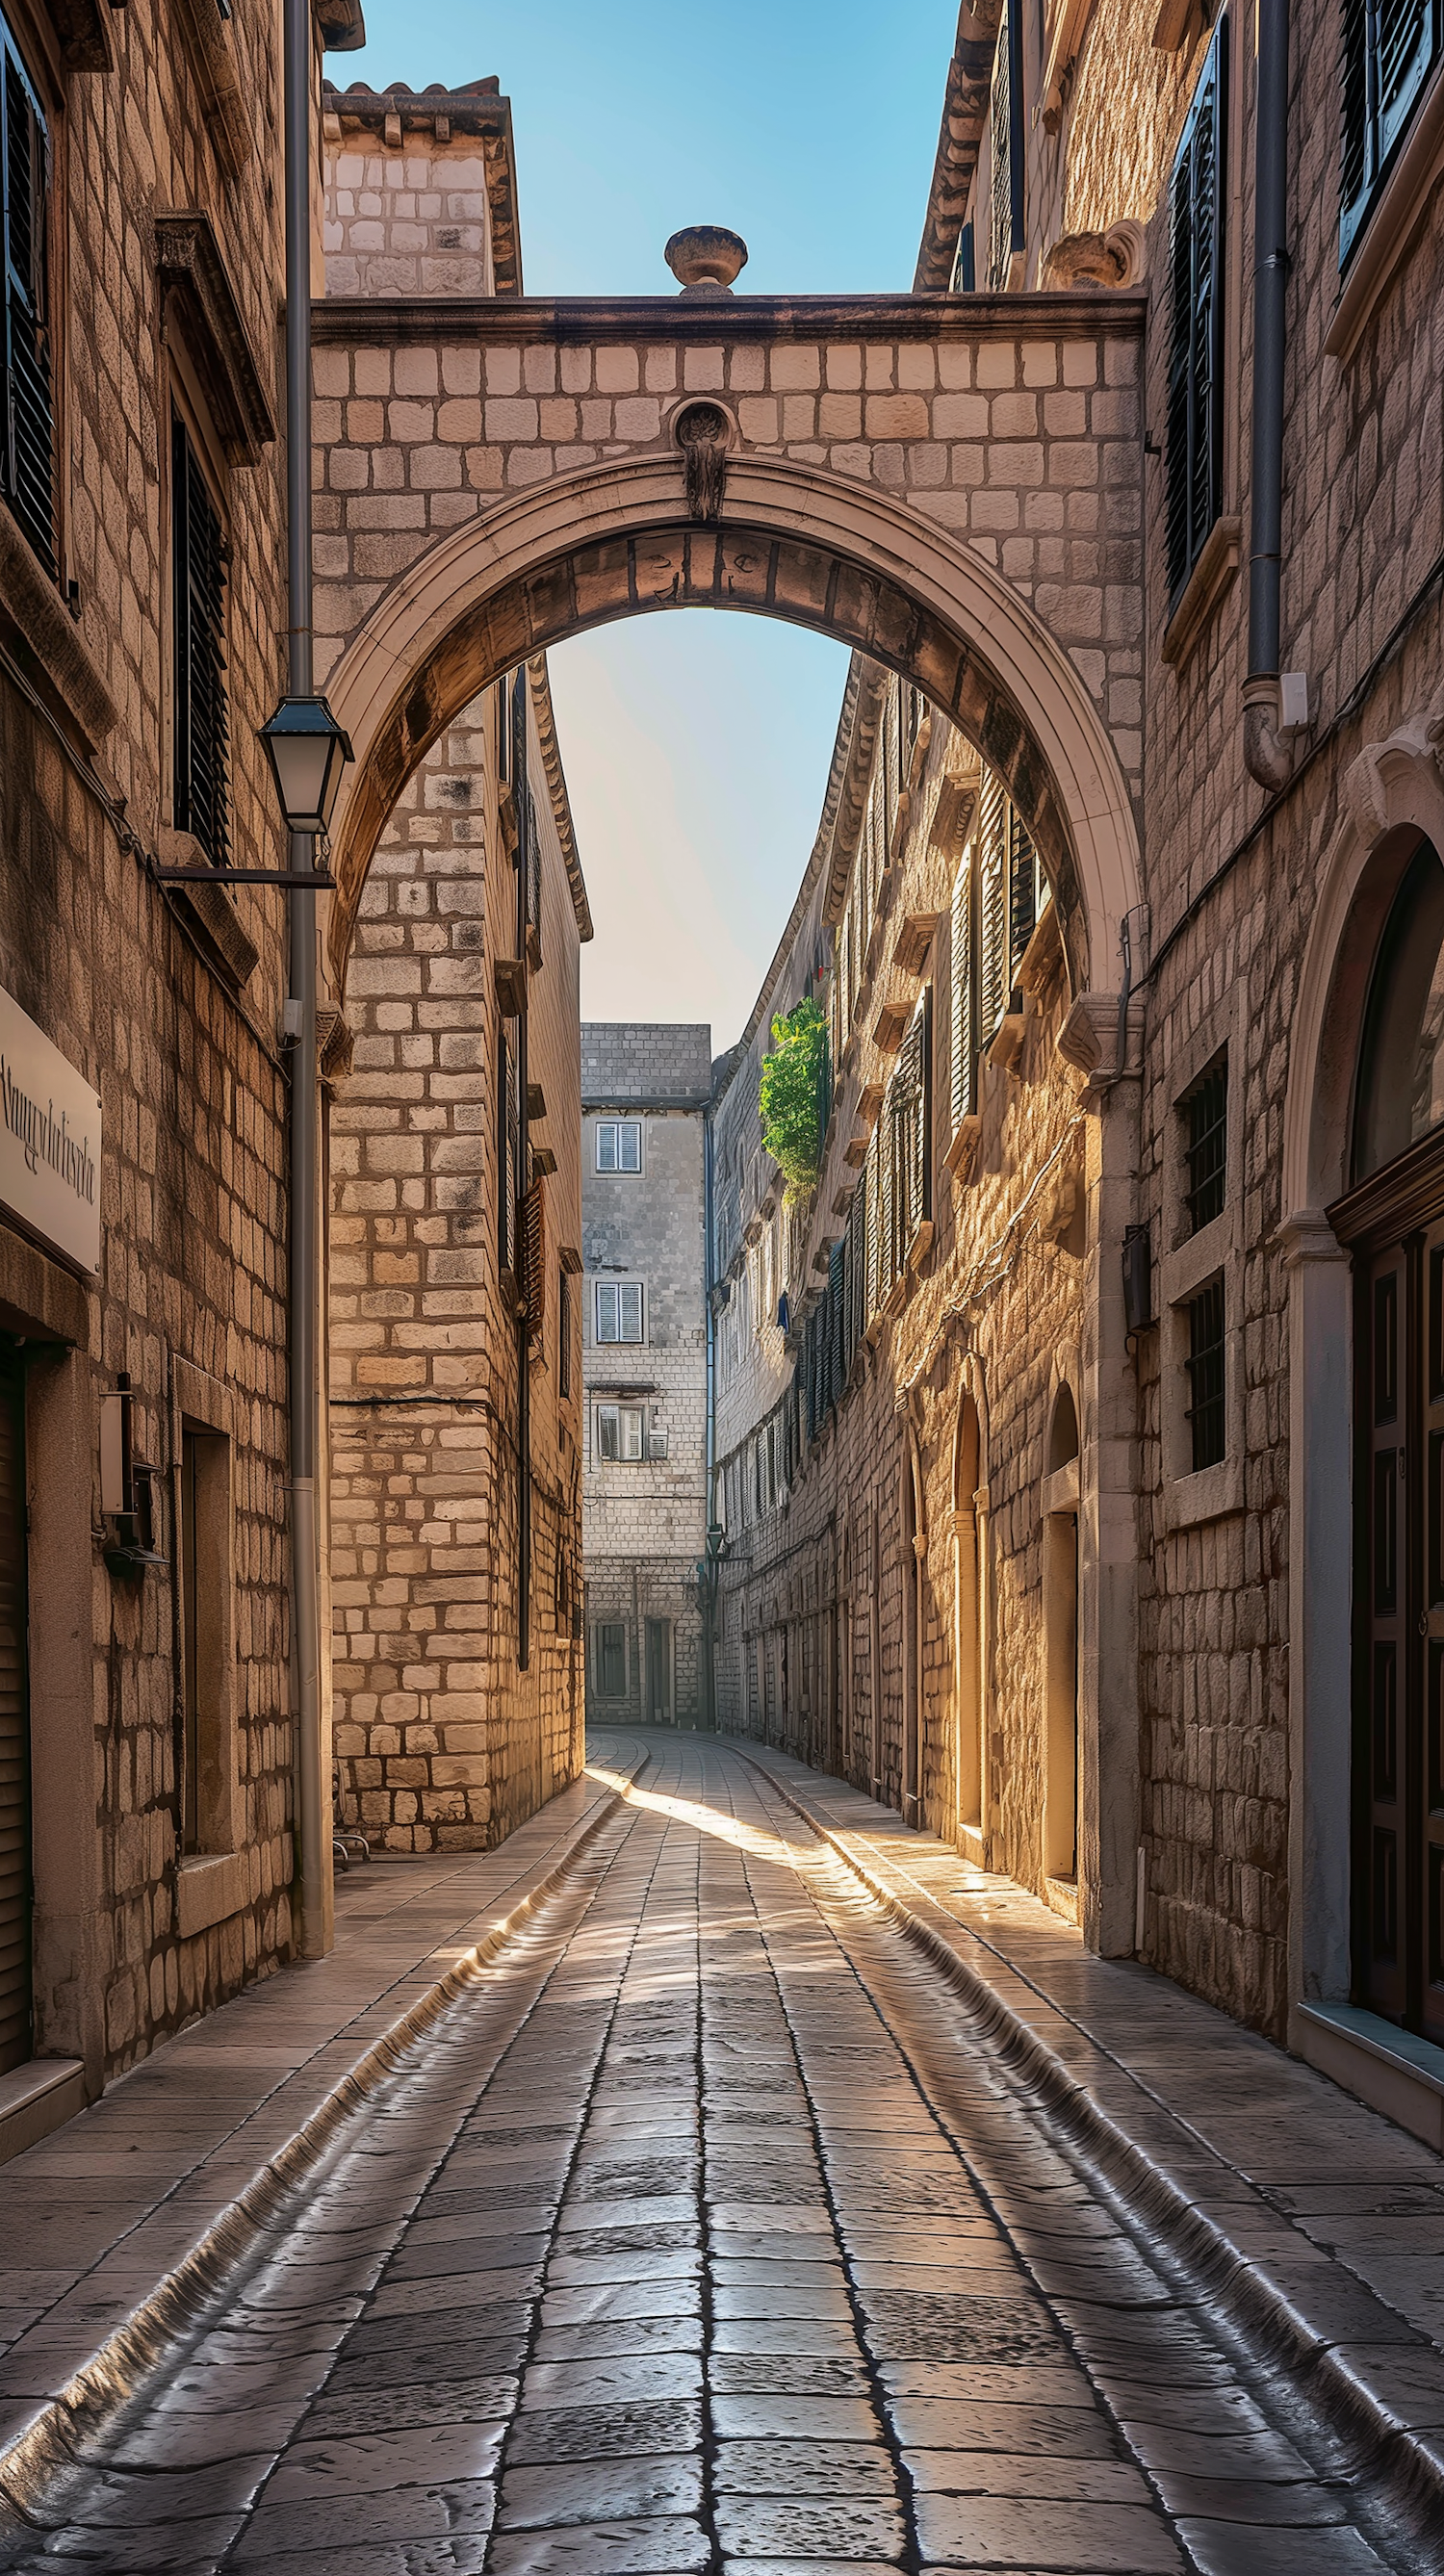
[706, 257]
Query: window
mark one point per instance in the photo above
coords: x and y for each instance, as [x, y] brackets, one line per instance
[618, 1310]
[965, 276]
[609, 1659]
[619, 1431]
[619, 1144]
[1400, 1096]
[1205, 1154]
[1195, 348]
[1389, 49]
[1006, 236]
[1204, 1363]
[27, 450]
[564, 1332]
[198, 600]
[508, 1157]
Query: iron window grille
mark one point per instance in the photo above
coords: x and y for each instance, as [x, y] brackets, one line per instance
[1006, 234]
[1389, 49]
[1205, 1366]
[618, 1311]
[1194, 470]
[619, 1144]
[27, 452]
[1205, 1155]
[200, 784]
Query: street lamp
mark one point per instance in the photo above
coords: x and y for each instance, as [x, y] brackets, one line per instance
[307, 751]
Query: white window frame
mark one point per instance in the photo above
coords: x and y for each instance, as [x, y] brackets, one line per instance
[623, 1415]
[619, 1340]
[615, 1127]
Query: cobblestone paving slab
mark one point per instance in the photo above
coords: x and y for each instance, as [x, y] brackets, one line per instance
[706, 2234]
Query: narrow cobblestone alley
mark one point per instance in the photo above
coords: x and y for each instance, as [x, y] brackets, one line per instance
[704, 2229]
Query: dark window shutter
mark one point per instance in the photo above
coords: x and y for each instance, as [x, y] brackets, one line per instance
[198, 576]
[960, 996]
[993, 961]
[1389, 49]
[908, 1134]
[1022, 891]
[506, 1158]
[534, 1255]
[27, 460]
[1195, 359]
[872, 1186]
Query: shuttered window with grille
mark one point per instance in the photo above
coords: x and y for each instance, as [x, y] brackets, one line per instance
[200, 787]
[1006, 235]
[1195, 347]
[27, 456]
[1024, 891]
[1389, 49]
[960, 997]
[993, 841]
[907, 1112]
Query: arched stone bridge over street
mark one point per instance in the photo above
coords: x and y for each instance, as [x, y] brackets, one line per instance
[951, 484]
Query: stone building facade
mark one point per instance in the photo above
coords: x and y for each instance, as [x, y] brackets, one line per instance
[645, 1091]
[455, 1229]
[1196, 1345]
[146, 1838]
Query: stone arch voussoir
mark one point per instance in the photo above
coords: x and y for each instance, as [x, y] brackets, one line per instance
[809, 547]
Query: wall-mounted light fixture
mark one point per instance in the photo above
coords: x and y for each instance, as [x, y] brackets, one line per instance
[307, 751]
[128, 1484]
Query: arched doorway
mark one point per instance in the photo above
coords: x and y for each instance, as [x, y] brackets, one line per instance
[1060, 1624]
[1392, 1219]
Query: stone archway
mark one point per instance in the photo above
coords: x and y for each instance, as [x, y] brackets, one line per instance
[614, 540]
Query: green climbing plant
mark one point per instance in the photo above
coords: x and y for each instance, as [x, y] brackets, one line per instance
[794, 1078]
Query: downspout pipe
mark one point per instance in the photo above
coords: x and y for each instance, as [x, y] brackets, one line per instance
[714, 1531]
[314, 1918]
[1266, 756]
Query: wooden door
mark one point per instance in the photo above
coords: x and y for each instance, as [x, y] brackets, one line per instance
[15, 1890]
[1399, 1594]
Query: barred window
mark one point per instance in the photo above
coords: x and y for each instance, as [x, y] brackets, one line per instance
[200, 789]
[1194, 469]
[1389, 49]
[1205, 1115]
[1205, 1361]
[27, 453]
[618, 1310]
[609, 1659]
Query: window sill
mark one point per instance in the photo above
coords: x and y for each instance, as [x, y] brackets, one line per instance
[1182, 1272]
[1060, 1490]
[209, 1889]
[1391, 228]
[1204, 588]
[960, 1154]
[52, 651]
[1208, 1494]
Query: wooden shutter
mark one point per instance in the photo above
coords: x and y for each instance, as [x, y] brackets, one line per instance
[1022, 891]
[871, 1171]
[27, 457]
[15, 2029]
[534, 1257]
[1006, 232]
[992, 864]
[1389, 48]
[198, 595]
[907, 1119]
[506, 1158]
[1195, 359]
[960, 996]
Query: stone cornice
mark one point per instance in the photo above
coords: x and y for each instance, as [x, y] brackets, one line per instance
[189, 265]
[965, 109]
[557, 790]
[373, 319]
[478, 109]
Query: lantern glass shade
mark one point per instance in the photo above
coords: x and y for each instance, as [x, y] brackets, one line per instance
[307, 751]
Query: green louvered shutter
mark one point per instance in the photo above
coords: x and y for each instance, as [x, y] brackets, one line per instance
[1022, 891]
[1389, 49]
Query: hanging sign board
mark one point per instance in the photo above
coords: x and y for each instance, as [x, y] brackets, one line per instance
[49, 1142]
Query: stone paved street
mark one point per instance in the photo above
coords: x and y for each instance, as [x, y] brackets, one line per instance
[704, 2229]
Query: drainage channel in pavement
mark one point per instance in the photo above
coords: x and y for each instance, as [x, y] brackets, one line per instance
[705, 2230]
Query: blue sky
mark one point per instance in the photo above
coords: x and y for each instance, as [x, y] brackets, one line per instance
[696, 745]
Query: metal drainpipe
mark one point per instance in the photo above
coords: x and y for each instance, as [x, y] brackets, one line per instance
[315, 1927]
[713, 1534]
[1265, 755]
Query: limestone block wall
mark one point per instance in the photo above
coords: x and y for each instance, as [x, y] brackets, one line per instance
[645, 1520]
[184, 1052]
[409, 180]
[443, 1740]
